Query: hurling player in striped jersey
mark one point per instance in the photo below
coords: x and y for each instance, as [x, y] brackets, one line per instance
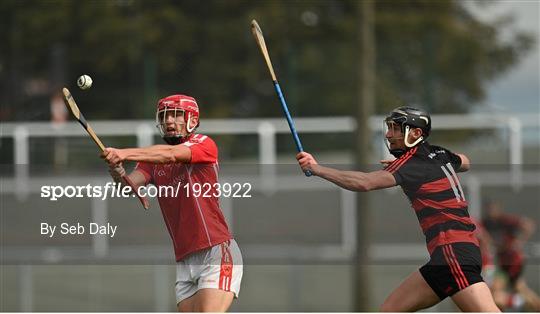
[509, 233]
[427, 175]
[208, 261]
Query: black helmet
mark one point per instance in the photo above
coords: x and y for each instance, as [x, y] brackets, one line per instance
[412, 117]
[407, 118]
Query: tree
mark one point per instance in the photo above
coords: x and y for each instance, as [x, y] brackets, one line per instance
[433, 53]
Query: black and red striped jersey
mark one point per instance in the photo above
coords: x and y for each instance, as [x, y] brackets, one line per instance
[427, 174]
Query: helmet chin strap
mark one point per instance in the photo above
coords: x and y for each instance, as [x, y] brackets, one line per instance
[400, 151]
[406, 139]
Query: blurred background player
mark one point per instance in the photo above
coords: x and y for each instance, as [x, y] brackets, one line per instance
[427, 175]
[209, 262]
[509, 233]
[485, 242]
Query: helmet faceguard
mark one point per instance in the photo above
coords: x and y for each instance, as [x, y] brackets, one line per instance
[407, 118]
[177, 105]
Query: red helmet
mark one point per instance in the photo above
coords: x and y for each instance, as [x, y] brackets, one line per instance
[180, 104]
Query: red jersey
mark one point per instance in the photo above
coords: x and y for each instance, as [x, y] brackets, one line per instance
[194, 220]
[428, 177]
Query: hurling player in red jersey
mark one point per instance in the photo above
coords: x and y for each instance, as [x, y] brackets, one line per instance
[509, 233]
[209, 263]
[427, 175]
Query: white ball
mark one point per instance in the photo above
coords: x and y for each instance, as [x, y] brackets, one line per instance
[84, 82]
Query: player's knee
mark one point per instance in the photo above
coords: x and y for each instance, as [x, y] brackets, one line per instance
[388, 306]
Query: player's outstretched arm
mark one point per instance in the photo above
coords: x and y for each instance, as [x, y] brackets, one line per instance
[157, 154]
[356, 180]
[350, 180]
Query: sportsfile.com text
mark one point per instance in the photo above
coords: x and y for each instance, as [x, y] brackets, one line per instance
[115, 190]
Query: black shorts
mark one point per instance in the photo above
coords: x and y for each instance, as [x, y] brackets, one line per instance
[453, 267]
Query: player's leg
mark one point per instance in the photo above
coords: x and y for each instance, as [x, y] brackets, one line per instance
[514, 265]
[499, 290]
[212, 300]
[412, 294]
[469, 291]
[475, 298]
[220, 278]
[423, 288]
[185, 287]
[186, 305]
[532, 300]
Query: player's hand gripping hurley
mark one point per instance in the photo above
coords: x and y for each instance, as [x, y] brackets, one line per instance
[257, 33]
[70, 103]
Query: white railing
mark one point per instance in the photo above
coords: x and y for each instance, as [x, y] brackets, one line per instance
[266, 129]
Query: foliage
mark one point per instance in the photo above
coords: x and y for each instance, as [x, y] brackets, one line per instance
[432, 53]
